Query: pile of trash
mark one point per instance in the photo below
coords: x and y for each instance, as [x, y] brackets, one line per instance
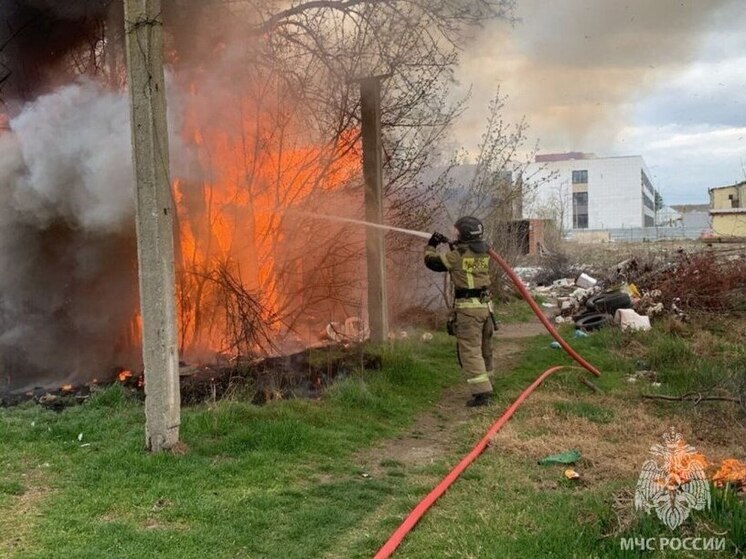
[585, 302]
[639, 288]
[352, 330]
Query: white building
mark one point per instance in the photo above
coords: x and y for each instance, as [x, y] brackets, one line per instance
[588, 192]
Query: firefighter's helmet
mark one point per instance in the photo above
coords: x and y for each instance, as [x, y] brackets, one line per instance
[469, 229]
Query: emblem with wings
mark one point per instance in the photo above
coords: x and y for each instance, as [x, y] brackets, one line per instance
[675, 483]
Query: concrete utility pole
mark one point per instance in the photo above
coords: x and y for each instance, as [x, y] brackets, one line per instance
[155, 242]
[370, 108]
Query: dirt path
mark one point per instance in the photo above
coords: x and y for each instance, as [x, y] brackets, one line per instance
[432, 433]
[635, 428]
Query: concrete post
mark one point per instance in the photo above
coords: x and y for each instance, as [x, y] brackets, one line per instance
[370, 108]
[154, 218]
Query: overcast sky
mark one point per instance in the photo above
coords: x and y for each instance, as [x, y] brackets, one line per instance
[665, 79]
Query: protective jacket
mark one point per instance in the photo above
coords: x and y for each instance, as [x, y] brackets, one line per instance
[468, 266]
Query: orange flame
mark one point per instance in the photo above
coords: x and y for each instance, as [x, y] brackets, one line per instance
[254, 166]
[731, 471]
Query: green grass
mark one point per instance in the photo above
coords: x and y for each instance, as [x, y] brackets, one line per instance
[514, 311]
[283, 480]
[539, 356]
[503, 514]
[271, 481]
[10, 487]
[593, 413]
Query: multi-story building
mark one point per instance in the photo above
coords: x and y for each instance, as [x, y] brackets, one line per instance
[728, 210]
[582, 191]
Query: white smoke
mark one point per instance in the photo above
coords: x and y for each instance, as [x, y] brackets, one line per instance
[74, 147]
[68, 280]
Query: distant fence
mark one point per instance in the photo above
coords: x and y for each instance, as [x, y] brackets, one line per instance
[636, 234]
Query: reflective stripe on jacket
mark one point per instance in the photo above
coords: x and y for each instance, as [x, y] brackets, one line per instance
[468, 270]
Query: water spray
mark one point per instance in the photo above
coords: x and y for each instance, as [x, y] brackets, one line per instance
[420, 234]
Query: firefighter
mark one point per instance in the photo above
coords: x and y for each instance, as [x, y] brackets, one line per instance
[472, 321]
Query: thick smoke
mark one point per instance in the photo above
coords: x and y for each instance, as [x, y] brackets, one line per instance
[75, 145]
[68, 287]
[68, 296]
[67, 251]
[254, 144]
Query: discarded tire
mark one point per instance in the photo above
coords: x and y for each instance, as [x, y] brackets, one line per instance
[591, 302]
[592, 321]
[609, 302]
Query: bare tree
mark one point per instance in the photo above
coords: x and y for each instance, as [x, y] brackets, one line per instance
[493, 184]
[557, 207]
[306, 59]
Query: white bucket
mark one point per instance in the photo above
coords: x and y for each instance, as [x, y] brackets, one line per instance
[585, 281]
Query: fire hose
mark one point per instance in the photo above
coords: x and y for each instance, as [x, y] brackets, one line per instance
[540, 315]
[422, 507]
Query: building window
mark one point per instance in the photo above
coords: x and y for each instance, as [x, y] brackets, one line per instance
[733, 201]
[580, 210]
[648, 201]
[580, 202]
[649, 221]
[646, 181]
[580, 177]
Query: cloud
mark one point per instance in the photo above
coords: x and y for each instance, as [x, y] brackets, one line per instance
[619, 78]
[686, 160]
[706, 93]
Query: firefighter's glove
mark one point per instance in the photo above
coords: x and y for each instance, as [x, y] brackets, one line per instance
[437, 239]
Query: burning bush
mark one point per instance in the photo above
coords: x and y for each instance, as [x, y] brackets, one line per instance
[264, 125]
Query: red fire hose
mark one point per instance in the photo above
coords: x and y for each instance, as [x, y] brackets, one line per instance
[419, 511]
[537, 311]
